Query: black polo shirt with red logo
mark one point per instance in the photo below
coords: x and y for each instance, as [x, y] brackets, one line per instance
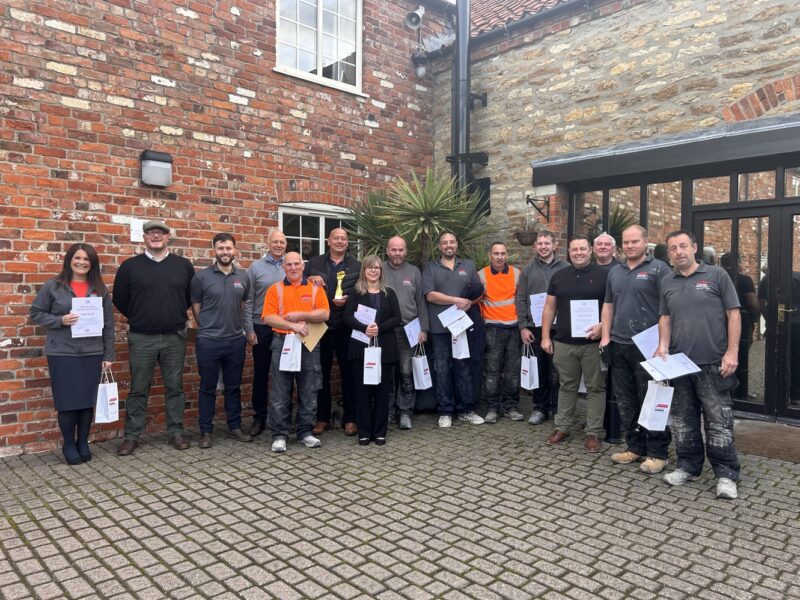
[462, 282]
[696, 307]
[635, 296]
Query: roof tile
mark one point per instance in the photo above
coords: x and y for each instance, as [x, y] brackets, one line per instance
[490, 14]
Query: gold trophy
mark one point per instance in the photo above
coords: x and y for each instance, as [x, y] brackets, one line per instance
[338, 293]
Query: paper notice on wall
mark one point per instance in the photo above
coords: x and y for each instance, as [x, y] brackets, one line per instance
[137, 233]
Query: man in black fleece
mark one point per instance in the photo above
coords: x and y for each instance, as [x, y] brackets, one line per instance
[326, 271]
[152, 291]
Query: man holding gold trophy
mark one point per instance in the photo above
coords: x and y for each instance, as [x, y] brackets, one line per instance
[337, 272]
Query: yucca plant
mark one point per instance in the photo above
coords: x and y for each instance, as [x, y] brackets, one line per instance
[419, 211]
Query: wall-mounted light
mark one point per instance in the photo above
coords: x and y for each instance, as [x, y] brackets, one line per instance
[156, 168]
[420, 60]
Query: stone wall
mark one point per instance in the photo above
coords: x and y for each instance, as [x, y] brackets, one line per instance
[86, 86]
[620, 72]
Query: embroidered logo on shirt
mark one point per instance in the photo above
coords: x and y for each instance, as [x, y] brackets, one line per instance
[704, 285]
[462, 272]
[237, 284]
[407, 282]
[643, 275]
[305, 298]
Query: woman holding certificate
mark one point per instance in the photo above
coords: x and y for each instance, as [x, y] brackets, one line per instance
[75, 307]
[372, 312]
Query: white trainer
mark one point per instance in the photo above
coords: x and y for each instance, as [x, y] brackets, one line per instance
[445, 421]
[726, 488]
[471, 418]
[279, 445]
[491, 417]
[678, 477]
[311, 442]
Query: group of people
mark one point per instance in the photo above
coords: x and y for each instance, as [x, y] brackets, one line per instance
[282, 302]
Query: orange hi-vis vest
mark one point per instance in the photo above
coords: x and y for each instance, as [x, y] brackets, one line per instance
[498, 306]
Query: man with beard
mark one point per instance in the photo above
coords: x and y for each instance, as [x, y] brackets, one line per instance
[218, 295]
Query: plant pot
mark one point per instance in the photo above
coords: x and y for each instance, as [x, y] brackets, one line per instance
[525, 238]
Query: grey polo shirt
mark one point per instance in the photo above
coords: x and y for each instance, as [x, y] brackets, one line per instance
[406, 281]
[262, 275]
[462, 282]
[696, 307]
[534, 278]
[221, 297]
[635, 294]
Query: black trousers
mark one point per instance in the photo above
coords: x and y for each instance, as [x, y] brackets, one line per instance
[372, 401]
[262, 358]
[336, 342]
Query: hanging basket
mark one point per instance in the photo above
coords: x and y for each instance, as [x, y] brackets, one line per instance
[525, 238]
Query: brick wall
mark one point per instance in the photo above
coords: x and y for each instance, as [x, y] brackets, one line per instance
[86, 86]
[619, 72]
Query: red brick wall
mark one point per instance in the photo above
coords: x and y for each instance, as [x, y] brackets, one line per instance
[86, 86]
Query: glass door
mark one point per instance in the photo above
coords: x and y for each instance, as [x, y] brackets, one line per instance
[788, 316]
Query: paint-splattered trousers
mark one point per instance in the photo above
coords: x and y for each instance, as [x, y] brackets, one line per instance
[701, 393]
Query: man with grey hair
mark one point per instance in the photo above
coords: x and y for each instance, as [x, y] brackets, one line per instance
[262, 274]
[604, 247]
[406, 281]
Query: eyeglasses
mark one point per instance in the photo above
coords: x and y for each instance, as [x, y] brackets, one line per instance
[155, 232]
[373, 268]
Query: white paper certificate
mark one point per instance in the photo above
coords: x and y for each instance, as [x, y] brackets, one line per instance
[365, 315]
[647, 341]
[537, 307]
[90, 317]
[413, 329]
[676, 365]
[583, 314]
[455, 320]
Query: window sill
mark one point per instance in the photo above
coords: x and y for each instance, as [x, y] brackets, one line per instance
[330, 83]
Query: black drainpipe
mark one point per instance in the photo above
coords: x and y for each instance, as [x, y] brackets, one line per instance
[460, 168]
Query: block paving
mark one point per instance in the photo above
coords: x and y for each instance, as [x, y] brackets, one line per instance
[478, 512]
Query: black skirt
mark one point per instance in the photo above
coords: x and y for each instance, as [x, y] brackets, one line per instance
[74, 380]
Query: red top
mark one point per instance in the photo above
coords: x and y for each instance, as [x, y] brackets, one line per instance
[81, 288]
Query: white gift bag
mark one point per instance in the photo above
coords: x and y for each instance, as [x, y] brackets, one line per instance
[529, 369]
[372, 363]
[656, 405]
[460, 346]
[107, 406]
[290, 353]
[420, 369]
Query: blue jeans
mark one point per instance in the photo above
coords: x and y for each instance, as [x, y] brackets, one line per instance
[451, 376]
[501, 368]
[227, 355]
[629, 388]
[262, 358]
[145, 350]
[309, 381]
[698, 393]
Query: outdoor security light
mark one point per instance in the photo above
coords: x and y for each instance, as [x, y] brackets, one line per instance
[156, 168]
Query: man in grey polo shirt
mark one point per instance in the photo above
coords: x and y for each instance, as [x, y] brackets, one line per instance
[700, 317]
[262, 274]
[631, 306]
[218, 294]
[406, 281]
[446, 282]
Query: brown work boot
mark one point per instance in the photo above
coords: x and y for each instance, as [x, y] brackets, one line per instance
[179, 442]
[205, 440]
[593, 444]
[557, 437]
[350, 429]
[256, 428]
[240, 435]
[653, 465]
[127, 447]
[625, 458]
[320, 427]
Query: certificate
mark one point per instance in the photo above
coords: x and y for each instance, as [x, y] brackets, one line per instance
[90, 317]
[583, 314]
[647, 341]
[455, 320]
[365, 315]
[537, 307]
[413, 329]
[675, 365]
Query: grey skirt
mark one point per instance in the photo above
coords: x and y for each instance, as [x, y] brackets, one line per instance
[74, 380]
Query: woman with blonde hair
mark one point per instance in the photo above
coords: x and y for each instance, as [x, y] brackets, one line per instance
[372, 401]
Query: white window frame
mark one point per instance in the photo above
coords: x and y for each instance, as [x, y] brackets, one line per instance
[294, 72]
[312, 209]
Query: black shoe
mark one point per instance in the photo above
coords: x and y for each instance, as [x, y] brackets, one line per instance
[240, 435]
[380, 441]
[256, 428]
[363, 441]
[71, 456]
[86, 457]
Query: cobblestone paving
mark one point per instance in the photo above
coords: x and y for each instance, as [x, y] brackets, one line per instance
[472, 512]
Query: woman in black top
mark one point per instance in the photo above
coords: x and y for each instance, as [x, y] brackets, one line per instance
[75, 363]
[372, 401]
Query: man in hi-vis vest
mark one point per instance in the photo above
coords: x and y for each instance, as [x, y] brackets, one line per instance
[503, 346]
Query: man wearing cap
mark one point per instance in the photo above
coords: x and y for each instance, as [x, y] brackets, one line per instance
[218, 296]
[152, 291]
[289, 307]
[262, 274]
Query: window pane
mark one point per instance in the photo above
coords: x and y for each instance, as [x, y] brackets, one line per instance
[328, 48]
[757, 186]
[347, 29]
[287, 56]
[329, 22]
[589, 214]
[289, 9]
[348, 8]
[307, 62]
[792, 185]
[291, 225]
[716, 240]
[287, 33]
[308, 14]
[310, 226]
[347, 73]
[663, 210]
[624, 206]
[332, 223]
[346, 51]
[331, 5]
[308, 39]
[713, 190]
